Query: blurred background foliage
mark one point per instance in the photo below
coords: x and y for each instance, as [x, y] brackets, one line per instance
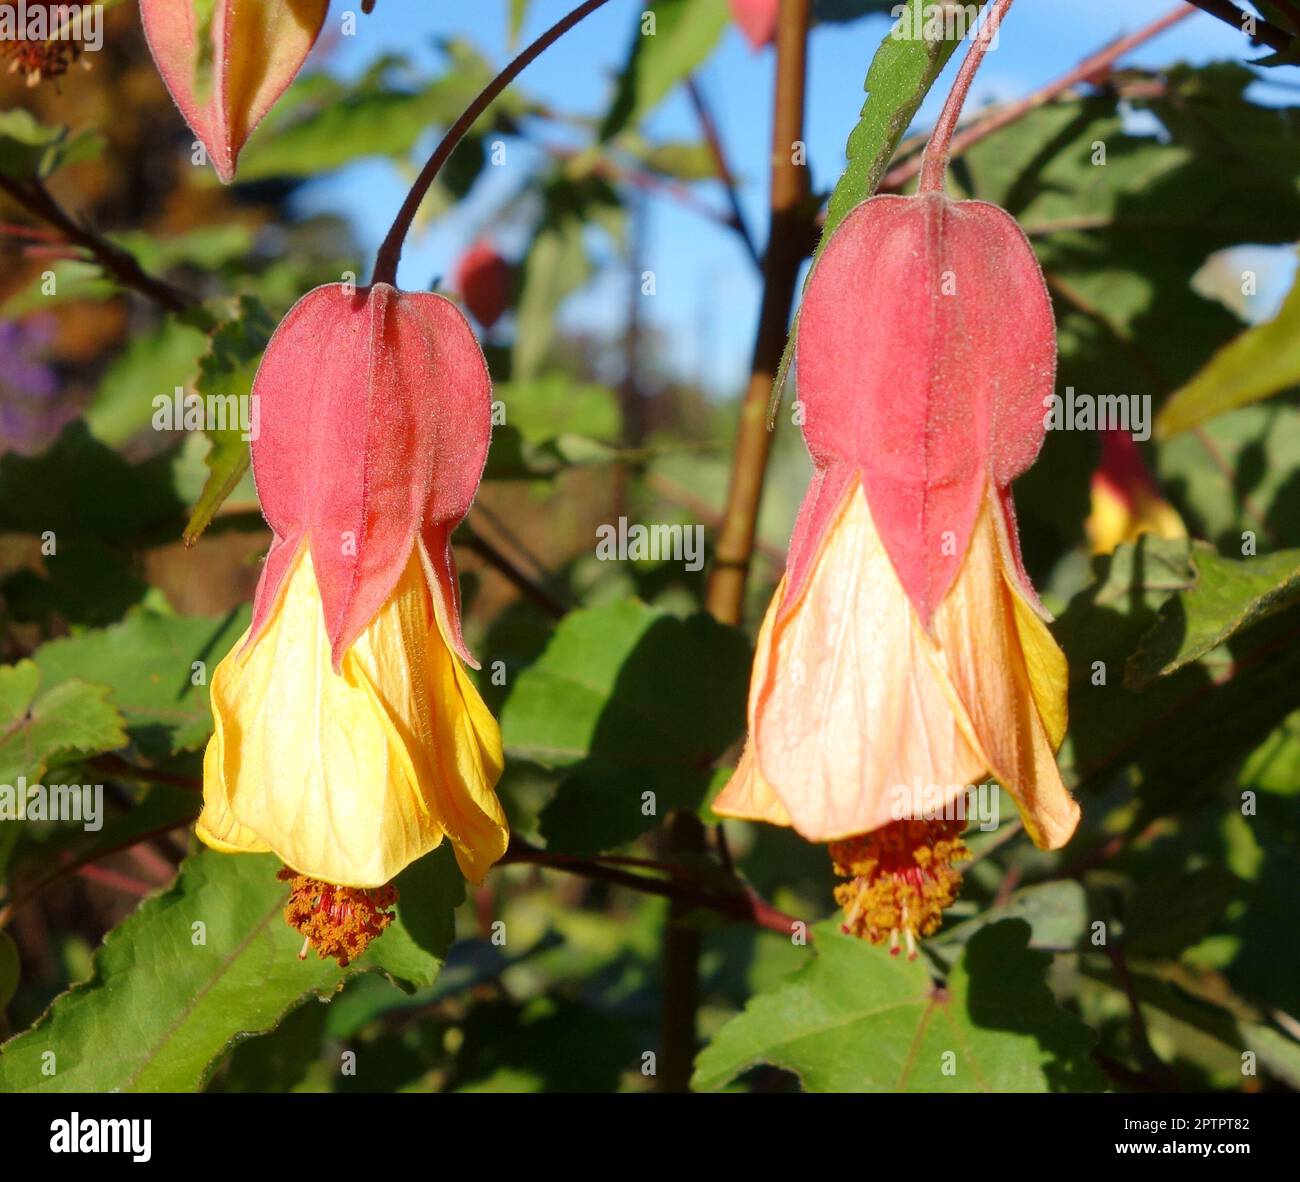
[1186, 755]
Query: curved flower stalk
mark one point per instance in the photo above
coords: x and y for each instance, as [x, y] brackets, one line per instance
[226, 62]
[349, 739]
[1126, 501]
[905, 655]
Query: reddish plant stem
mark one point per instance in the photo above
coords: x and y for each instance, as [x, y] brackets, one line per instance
[1229, 13]
[474, 541]
[934, 163]
[745, 906]
[115, 880]
[37, 200]
[390, 251]
[714, 140]
[1088, 69]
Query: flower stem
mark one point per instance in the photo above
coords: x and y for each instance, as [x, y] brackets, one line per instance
[391, 249]
[935, 161]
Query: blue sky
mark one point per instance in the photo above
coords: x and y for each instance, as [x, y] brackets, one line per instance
[708, 291]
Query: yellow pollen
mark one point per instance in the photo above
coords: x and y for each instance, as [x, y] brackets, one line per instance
[336, 921]
[900, 879]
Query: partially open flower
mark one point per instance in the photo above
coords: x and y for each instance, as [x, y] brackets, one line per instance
[349, 739]
[905, 655]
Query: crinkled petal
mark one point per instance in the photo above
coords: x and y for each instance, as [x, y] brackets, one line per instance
[350, 776]
[749, 797]
[849, 716]
[216, 825]
[1009, 678]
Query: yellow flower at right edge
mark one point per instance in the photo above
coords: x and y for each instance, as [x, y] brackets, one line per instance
[905, 655]
[1126, 502]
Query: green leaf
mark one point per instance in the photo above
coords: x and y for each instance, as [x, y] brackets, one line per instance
[159, 808]
[225, 380]
[39, 728]
[552, 425]
[1274, 766]
[1258, 363]
[1056, 912]
[858, 1020]
[81, 489]
[549, 1045]
[148, 660]
[206, 963]
[322, 124]
[630, 701]
[552, 406]
[685, 33]
[515, 458]
[898, 79]
[518, 13]
[30, 150]
[556, 264]
[683, 160]
[281, 1061]
[1183, 731]
[1228, 595]
[93, 511]
[153, 365]
[1279, 1054]
[1235, 474]
[1121, 243]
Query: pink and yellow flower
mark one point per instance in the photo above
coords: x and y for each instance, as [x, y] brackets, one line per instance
[349, 738]
[905, 646]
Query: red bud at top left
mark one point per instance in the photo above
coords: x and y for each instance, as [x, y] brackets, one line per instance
[226, 62]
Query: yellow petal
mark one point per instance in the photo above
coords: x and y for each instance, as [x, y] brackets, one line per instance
[850, 719]
[268, 42]
[216, 825]
[1123, 516]
[749, 797]
[1045, 665]
[351, 776]
[1009, 679]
